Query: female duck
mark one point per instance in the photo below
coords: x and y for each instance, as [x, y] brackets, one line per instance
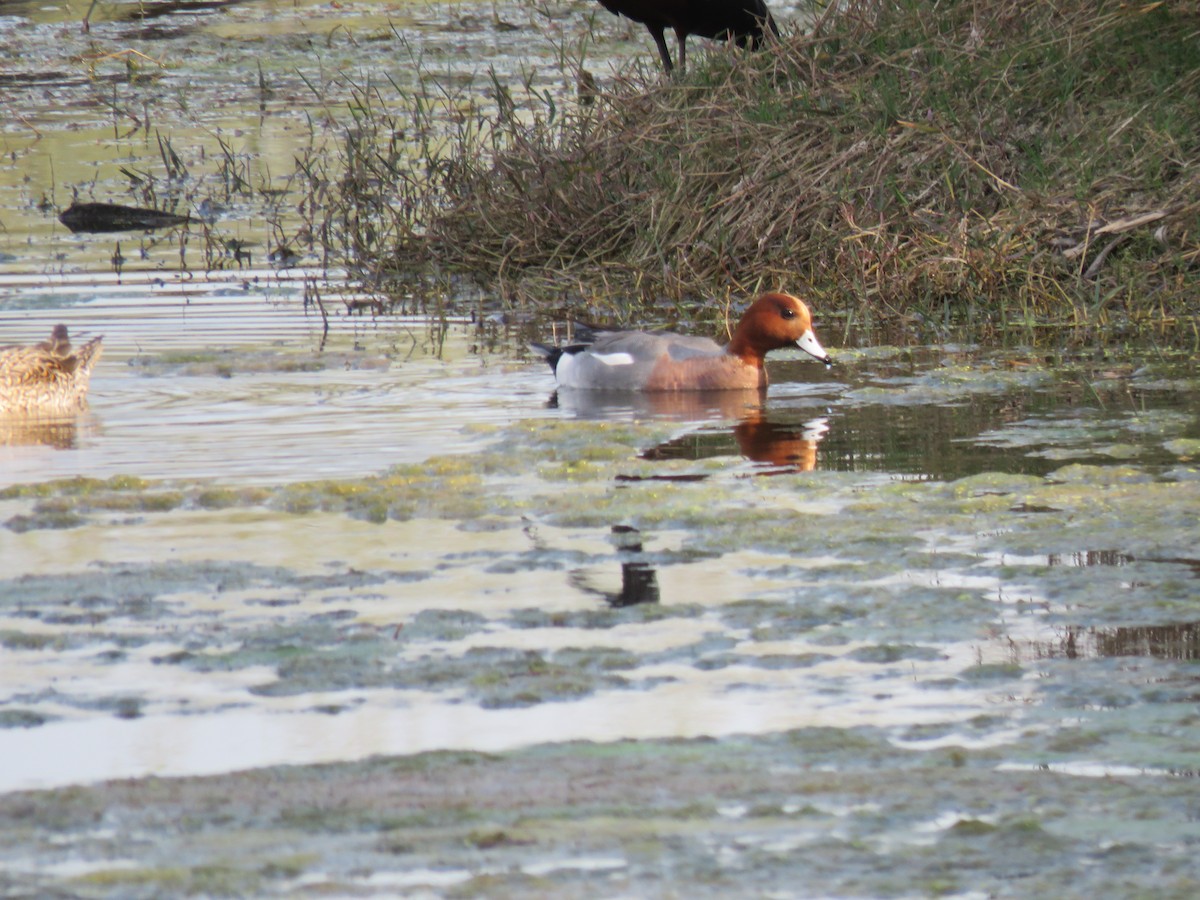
[642, 361]
[46, 379]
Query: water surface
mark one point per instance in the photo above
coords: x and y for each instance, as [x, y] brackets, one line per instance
[947, 596]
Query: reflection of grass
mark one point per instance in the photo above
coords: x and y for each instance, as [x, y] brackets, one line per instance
[991, 166]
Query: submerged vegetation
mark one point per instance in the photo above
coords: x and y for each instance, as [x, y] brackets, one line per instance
[991, 164]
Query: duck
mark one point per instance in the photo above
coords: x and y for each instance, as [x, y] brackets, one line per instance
[635, 361]
[742, 20]
[49, 378]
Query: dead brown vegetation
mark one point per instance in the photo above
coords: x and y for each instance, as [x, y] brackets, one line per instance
[986, 163]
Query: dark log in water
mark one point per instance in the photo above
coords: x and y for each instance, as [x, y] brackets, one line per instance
[102, 217]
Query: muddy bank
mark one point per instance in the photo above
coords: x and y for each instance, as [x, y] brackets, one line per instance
[816, 812]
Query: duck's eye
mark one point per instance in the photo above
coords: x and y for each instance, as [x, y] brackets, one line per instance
[787, 312]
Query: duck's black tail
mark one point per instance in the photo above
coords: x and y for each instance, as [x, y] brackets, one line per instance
[551, 354]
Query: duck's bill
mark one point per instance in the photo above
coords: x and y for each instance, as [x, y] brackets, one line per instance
[809, 344]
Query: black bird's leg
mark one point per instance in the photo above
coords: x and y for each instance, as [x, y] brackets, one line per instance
[681, 35]
[657, 34]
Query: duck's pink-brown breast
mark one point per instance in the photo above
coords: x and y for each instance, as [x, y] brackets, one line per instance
[711, 373]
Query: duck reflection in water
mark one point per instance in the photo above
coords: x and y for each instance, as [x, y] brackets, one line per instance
[781, 444]
[61, 433]
[759, 436]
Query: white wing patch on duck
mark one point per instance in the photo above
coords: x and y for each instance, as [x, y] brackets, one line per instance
[614, 359]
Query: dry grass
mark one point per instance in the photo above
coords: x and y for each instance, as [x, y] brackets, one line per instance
[989, 163]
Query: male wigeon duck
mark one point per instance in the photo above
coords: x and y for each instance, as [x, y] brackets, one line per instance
[641, 361]
[48, 378]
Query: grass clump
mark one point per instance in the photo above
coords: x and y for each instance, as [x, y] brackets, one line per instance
[993, 164]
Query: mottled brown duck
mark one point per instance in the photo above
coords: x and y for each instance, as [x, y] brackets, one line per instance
[46, 379]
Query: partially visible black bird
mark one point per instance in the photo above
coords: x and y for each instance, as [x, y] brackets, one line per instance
[743, 20]
[59, 343]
